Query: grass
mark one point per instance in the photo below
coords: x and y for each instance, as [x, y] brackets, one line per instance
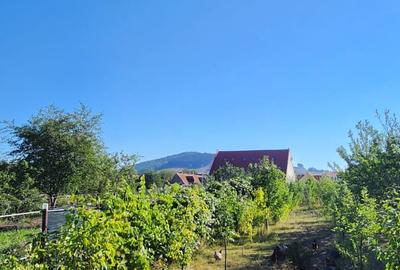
[253, 255]
[16, 239]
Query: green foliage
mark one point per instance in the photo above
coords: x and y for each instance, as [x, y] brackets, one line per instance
[316, 194]
[13, 240]
[17, 191]
[372, 159]
[225, 213]
[246, 218]
[158, 179]
[357, 221]
[60, 147]
[241, 184]
[249, 198]
[66, 156]
[131, 230]
[228, 172]
[262, 212]
[272, 180]
[136, 224]
[307, 192]
[388, 251]
[328, 193]
[372, 164]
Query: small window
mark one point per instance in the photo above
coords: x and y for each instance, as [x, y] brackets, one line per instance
[190, 179]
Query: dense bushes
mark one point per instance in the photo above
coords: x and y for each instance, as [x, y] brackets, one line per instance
[356, 221]
[57, 153]
[312, 193]
[368, 231]
[388, 251]
[17, 189]
[130, 230]
[134, 227]
[364, 204]
[366, 213]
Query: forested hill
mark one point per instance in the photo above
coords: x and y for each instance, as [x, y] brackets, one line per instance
[187, 160]
[201, 162]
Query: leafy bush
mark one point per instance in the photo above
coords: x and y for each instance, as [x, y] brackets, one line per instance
[388, 251]
[17, 190]
[131, 230]
[357, 222]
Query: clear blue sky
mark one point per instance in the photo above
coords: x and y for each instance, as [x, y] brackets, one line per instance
[173, 76]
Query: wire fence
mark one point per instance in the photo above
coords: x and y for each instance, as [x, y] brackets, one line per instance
[48, 220]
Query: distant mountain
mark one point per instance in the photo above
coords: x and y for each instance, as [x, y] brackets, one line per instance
[201, 162]
[301, 170]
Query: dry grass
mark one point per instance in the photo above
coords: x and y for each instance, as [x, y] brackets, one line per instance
[254, 255]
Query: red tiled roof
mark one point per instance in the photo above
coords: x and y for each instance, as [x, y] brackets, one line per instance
[243, 159]
[187, 179]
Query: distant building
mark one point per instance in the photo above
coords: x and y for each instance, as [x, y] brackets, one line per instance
[242, 159]
[187, 179]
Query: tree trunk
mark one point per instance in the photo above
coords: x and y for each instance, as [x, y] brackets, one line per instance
[53, 201]
[226, 255]
[360, 261]
[267, 226]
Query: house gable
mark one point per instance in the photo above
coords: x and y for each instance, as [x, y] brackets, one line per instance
[242, 159]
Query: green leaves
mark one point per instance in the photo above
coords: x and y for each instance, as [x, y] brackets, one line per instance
[131, 230]
[373, 157]
[276, 190]
[373, 165]
[17, 189]
[59, 147]
[389, 250]
[357, 221]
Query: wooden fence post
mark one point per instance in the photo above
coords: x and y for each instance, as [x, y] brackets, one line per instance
[45, 217]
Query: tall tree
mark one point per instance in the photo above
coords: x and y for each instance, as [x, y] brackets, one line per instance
[372, 157]
[357, 221]
[277, 195]
[60, 147]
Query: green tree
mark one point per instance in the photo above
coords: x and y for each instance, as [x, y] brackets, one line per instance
[241, 185]
[389, 248]
[372, 157]
[158, 179]
[328, 194]
[357, 223]
[246, 217]
[61, 148]
[17, 190]
[273, 181]
[225, 215]
[262, 212]
[228, 172]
